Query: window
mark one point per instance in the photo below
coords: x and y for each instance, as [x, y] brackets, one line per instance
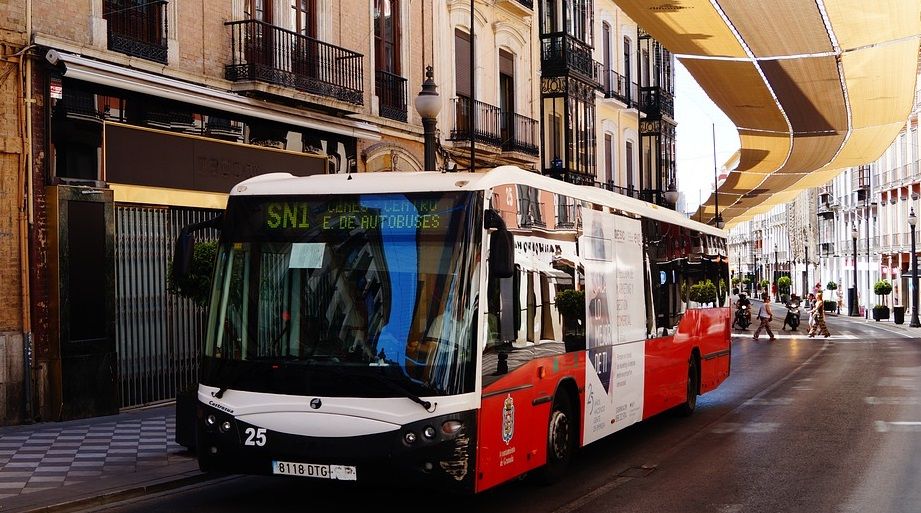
[628, 155]
[606, 55]
[462, 69]
[387, 35]
[303, 17]
[259, 10]
[608, 177]
[507, 94]
[137, 28]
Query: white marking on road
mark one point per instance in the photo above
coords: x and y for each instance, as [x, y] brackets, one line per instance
[899, 426]
[899, 382]
[728, 508]
[773, 401]
[892, 401]
[751, 427]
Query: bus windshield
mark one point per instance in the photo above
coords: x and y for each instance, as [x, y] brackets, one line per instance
[371, 295]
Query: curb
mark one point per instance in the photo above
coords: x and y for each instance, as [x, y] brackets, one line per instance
[64, 500]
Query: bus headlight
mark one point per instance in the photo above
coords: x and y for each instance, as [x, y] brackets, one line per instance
[225, 426]
[428, 432]
[210, 420]
[451, 427]
[409, 438]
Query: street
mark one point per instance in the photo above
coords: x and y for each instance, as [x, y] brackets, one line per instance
[822, 425]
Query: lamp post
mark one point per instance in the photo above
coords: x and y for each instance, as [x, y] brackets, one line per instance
[776, 276]
[428, 105]
[912, 221]
[853, 308]
[806, 249]
[718, 221]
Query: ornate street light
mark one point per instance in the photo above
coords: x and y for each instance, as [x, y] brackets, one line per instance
[428, 105]
[671, 194]
[854, 308]
[912, 221]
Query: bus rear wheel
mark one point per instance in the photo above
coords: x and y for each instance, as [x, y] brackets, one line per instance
[690, 402]
[561, 439]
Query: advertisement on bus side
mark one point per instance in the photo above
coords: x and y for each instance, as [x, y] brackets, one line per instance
[615, 315]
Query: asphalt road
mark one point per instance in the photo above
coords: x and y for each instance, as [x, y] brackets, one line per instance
[802, 425]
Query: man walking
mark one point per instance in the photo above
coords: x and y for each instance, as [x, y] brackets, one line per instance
[765, 315]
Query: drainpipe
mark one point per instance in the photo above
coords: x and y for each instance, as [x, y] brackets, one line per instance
[26, 217]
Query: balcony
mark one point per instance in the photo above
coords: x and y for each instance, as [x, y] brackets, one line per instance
[391, 92]
[137, 28]
[656, 102]
[561, 54]
[615, 86]
[519, 133]
[265, 53]
[517, 7]
[491, 125]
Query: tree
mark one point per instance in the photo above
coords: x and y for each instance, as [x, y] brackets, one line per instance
[703, 292]
[882, 288]
[195, 286]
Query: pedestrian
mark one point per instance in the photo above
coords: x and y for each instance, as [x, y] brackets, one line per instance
[817, 316]
[765, 315]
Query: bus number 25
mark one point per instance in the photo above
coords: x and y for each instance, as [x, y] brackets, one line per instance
[255, 436]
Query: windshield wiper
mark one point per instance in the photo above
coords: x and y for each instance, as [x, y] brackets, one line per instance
[396, 387]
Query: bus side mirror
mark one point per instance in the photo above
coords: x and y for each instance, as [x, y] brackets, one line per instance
[184, 248]
[501, 246]
[182, 255]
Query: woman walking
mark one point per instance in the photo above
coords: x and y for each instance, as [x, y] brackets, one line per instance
[817, 317]
[765, 315]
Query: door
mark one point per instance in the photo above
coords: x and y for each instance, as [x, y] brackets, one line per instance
[507, 96]
[84, 379]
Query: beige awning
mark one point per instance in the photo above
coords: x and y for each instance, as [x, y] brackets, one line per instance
[812, 87]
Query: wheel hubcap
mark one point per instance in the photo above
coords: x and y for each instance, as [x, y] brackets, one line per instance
[559, 435]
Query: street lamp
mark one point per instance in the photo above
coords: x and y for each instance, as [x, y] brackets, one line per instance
[912, 221]
[428, 105]
[853, 308]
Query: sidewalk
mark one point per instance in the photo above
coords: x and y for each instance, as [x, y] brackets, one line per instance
[62, 466]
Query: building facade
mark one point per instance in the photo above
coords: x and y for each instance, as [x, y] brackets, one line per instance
[132, 119]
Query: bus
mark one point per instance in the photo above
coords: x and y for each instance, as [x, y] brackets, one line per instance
[456, 330]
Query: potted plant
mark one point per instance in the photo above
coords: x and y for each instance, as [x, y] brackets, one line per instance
[831, 285]
[765, 284]
[783, 286]
[881, 288]
[703, 292]
[571, 305]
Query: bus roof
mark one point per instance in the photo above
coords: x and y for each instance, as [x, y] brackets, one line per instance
[429, 181]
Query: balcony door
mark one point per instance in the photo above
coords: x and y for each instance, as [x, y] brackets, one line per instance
[390, 86]
[305, 57]
[258, 48]
[462, 73]
[507, 96]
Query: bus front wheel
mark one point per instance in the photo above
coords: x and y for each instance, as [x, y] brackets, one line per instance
[561, 438]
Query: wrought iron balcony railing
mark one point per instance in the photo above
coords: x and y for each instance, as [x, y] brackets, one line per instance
[391, 92]
[484, 127]
[137, 28]
[615, 86]
[562, 53]
[266, 53]
[492, 125]
[656, 102]
[519, 133]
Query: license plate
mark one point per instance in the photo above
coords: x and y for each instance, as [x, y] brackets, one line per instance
[338, 472]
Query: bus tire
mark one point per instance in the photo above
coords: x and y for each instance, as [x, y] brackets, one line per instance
[686, 409]
[561, 439]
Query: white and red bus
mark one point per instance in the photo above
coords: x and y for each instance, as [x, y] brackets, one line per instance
[381, 326]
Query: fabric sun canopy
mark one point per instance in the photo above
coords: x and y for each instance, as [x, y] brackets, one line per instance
[813, 87]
